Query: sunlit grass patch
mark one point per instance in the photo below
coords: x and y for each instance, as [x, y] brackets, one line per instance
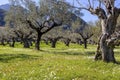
[60, 63]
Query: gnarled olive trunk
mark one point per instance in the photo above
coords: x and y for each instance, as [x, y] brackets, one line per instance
[37, 43]
[26, 43]
[67, 42]
[53, 43]
[46, 41]
[85, 43]
[3, 42]
[105, 51]
[12, 44]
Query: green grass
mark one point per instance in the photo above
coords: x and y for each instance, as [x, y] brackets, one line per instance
[62, 63]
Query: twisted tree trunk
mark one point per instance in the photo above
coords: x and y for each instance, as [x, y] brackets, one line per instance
[85, 43]
[108, 16]
[105, 50]
[67, 41]
[37, 44]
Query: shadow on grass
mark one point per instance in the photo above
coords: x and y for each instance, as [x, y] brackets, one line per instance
[69, 52]
[5, 58]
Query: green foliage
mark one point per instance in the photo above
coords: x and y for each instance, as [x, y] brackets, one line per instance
[62, 63]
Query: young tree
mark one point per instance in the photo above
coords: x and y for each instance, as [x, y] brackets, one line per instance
[108, 17]
[97, 32]
[85, 34]
[67, 36]
[53, 36]
[84, 30]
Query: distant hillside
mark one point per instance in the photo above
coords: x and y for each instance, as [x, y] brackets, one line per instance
[74, 18]
[2, 15]
[5, 7]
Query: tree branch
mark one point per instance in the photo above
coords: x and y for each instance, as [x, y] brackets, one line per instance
[99, 3]
[89, 3]
[81, 35]
[51, 24]
[31, 25]
[89, 36]
[37, 23]
[28, 35]
[114, 40]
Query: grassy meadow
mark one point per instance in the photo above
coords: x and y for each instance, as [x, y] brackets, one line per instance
[61, 63]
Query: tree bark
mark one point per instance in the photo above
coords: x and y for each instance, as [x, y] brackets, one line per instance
[12, 44]
[85, 38]
[3, 42]
[53, 43]
[37, 44]
[85, 43]
[108, 17]
[26, 44]
[46, 41]
[67, 42]
[105, 51]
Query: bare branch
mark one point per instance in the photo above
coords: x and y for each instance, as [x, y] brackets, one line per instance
[31, 25]
[37, 22]
[99, 3]
[89, 3]
[89, 35]
[114, 40]
[51, 24]
[78, 2]
[93, 3]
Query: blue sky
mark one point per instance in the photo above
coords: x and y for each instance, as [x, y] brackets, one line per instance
[3, 2]
[87, 16]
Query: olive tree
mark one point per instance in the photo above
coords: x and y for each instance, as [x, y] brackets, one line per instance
[3, 35]
[17, 29]
[37, 17]
[108, 15]
[67, 36]
[54, 35]
[66, 13]
[42, 20]
[84, 30]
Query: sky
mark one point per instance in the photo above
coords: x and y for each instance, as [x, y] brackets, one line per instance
[87, 16]
[3, 2]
